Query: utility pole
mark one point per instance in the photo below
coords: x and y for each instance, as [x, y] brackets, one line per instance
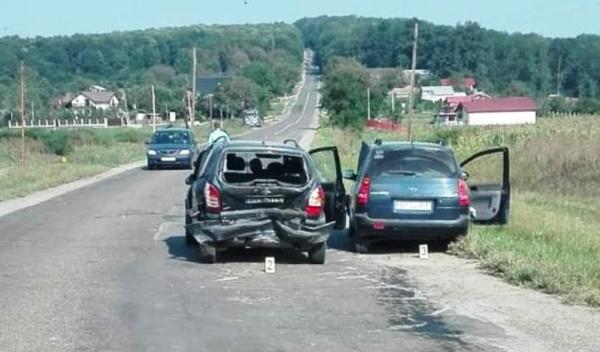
[368, 103]
[153, 110]
[124, 97]
[22, 111]
[188, 96]
[558, 75]
[194, 68]
[412, 81]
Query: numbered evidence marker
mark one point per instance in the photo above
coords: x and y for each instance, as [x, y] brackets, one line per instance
[270, 265]
[423, 251]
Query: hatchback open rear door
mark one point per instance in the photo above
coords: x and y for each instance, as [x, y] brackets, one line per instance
[491, 201]
[327, 162]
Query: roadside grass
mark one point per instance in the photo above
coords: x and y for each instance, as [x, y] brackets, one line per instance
[56, 157]
[548, 245]
[553, 240]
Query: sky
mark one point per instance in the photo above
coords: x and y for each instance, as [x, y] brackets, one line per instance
[550, 18]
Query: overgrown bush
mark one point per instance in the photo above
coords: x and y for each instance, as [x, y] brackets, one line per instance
[55, 142]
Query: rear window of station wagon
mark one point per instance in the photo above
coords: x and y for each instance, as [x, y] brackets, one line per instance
[416, 162]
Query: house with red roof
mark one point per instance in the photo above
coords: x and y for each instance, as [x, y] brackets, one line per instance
[499, 111]
[468, 83]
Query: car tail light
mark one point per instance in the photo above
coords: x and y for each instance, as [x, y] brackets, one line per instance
[464, 196]
[316, 201]
[212, 196]
[363, 192]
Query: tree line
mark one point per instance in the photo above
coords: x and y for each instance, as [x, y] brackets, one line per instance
[502, 63]
[264, 61]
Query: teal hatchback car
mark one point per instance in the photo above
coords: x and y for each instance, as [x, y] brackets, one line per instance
[418, 191]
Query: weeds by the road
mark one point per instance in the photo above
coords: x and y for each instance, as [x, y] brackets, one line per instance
[56, 157]
[553, 240]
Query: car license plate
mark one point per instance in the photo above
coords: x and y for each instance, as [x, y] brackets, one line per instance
[168, 159]
[413, 205]
[264, 201]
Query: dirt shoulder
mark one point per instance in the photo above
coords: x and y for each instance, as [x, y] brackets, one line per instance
[484, 307]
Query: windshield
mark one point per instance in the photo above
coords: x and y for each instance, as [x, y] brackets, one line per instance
[171, 137]
[414, 162]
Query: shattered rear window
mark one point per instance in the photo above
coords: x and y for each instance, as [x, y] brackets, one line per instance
[252, 167]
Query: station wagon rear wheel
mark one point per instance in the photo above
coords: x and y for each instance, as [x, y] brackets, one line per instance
[361, 247]
[208, 253]
[316, 255]
[189, 237]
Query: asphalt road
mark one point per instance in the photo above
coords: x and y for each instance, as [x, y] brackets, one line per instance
[105, 268]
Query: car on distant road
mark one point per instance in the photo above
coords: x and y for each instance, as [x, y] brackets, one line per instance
[418, 191]
[252, 118]
[171, 147]
[253, 194]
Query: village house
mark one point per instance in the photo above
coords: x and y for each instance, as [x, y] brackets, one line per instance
[439, 93]
[498, 111]
[467, 84]
[95, 97]
[402, 93]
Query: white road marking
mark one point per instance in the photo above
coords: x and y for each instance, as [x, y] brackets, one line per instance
[297, 120]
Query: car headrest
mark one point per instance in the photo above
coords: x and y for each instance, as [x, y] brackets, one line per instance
[235, 163]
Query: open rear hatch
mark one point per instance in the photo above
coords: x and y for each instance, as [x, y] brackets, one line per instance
[263, 180]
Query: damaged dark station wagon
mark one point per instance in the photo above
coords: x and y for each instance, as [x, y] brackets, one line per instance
[262, 194]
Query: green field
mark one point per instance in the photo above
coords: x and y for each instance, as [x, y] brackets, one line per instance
[56, 157]
[553, 240]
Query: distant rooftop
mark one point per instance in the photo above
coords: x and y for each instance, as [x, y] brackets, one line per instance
[209, 84]
[500, 105]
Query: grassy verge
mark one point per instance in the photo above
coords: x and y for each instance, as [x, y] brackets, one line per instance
[553, 240]
[57, 157]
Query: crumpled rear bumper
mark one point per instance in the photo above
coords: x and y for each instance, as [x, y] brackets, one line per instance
[262, 228]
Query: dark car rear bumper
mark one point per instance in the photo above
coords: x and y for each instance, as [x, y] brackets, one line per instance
[261, 228]
[386, 229]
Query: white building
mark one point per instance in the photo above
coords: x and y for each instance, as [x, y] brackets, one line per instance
[98, 99]
[439, 93]
[499, 111]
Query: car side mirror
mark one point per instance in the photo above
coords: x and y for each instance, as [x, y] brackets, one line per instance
[349, 175]
[190, 179]
[465, 175]
[147, 142]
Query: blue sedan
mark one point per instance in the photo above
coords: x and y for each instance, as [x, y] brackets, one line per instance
[171, 147]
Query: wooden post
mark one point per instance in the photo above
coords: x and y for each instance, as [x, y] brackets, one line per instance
[194, 68]
[412, 81]
[153, 110]
[368, 103]
[22, 111]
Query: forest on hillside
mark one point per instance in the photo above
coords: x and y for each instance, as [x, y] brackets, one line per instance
[264, 60]
[502, 63]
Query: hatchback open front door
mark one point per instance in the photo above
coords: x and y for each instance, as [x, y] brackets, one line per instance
[491, 201]
[327, 162]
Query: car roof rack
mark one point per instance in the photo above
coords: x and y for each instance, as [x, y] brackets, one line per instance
[292, 142]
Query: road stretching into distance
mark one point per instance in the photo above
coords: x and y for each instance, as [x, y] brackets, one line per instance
[105, 268]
